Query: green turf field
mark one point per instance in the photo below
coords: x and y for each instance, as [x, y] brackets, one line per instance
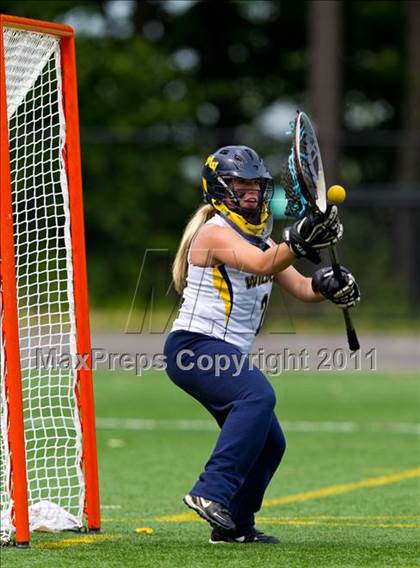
[347, 493]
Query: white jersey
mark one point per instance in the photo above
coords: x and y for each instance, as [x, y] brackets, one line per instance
[224, 302]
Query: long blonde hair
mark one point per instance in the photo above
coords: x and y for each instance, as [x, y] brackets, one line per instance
[180, 265]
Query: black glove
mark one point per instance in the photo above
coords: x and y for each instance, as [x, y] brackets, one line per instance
[316, 231]
[343, 295]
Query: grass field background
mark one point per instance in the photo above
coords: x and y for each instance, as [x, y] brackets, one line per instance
[346, 494]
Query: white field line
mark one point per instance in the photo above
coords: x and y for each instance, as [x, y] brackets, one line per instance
[289, 426]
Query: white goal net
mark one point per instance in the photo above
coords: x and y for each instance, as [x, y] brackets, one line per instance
[44, 289]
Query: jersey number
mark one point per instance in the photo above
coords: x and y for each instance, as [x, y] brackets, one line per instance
[264, 303]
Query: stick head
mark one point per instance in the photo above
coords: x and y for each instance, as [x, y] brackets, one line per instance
[303, 175]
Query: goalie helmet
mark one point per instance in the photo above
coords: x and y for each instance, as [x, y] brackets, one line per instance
[242, 163]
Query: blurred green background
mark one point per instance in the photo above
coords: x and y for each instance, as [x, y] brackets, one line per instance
[164, 83]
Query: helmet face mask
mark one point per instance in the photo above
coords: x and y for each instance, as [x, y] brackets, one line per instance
[229, 176]
[237, 190]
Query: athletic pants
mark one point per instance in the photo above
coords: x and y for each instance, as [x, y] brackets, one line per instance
[251, 443]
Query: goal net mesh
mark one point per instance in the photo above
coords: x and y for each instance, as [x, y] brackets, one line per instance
[44, 276]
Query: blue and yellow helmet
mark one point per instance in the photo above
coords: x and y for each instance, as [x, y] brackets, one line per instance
[238, 162]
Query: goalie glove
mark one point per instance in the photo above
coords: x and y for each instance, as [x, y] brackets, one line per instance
[315, 231]
[342, 295]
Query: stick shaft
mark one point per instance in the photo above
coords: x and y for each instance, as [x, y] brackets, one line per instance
[352, 339]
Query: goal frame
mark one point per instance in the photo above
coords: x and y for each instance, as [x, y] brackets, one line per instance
[13, 386]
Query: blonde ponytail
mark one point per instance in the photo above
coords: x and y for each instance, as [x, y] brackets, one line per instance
[179, 267]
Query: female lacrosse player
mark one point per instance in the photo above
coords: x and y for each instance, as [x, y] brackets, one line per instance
[225, 267]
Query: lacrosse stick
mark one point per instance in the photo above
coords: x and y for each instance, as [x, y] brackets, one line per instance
[304, 183]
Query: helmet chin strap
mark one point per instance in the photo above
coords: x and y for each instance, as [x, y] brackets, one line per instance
[251, 215]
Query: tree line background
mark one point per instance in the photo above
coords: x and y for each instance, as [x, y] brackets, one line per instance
[164, 83]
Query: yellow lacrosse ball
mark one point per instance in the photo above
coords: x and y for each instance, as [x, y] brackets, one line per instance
[336, 194]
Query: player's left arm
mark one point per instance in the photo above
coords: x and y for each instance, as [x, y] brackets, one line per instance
[297, 285]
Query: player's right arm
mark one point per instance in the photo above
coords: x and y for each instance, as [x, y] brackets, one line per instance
[214, 245]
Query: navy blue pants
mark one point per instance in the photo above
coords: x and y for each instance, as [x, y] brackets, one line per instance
[251, 443]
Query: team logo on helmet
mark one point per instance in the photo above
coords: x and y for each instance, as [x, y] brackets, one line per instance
[211, 162]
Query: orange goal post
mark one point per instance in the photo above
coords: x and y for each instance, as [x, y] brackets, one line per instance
[48, 462]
